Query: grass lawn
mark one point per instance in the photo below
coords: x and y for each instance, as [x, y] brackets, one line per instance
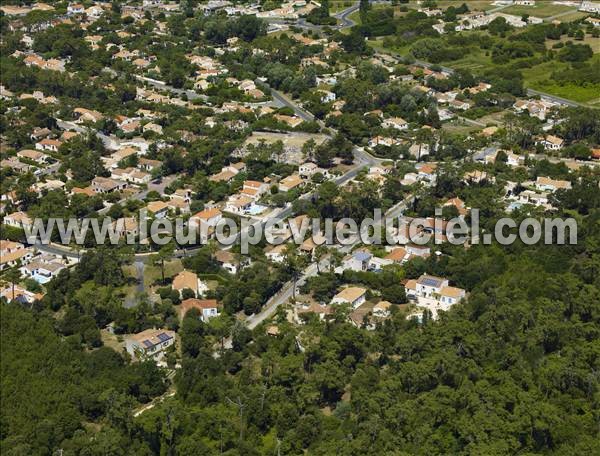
[479, 5]
[572, 16]
[541, 9]
[339, 5]
[111, 341]
[459, 126]
[493, 118]
[152, 272]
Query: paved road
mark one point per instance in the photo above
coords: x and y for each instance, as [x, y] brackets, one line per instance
[341, 16]
[285, 100]
[110, 142]
[190, 94]
[553, 98]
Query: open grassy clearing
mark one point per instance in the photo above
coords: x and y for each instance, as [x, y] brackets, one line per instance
[541, 9]
[339, 5]
[152, 273]
[480, 5]
[575, 15]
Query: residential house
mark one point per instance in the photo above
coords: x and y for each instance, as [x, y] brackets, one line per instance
[291, 121]
[398, 255]
[239, 204]
[254, 189]
[358, 261]
[42, 270]
[149, 343]
[107, 185]
[551, 185]
[33, 155]
[126, 226]
[48, 144]
[433, 293]
[395, 122]
[276, 253]
[355, 296]
[227, 261]
[327, 96]
[208, 308]
[210, 217]
[551, 142]
[322, 311]
[188, 279]
[158, 209]
[377, 264]
[18, 220]
[382, 309]
[86, 115]
[290, 182]
[13, 254]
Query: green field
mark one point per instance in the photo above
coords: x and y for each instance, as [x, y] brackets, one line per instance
[339, 5]
[541, 9]
[474, 5]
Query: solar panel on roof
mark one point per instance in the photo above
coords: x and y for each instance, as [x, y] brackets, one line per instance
[147, 343]
[430, 282]
[163, 337]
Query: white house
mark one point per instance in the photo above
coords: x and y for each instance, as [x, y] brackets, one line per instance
[327, 96]
[238, 204]
[355, 296]
[551, 185]
[358, 261]
[211, 217]
[395, 122]
[208, 308]
[551, 142]
[433, 293]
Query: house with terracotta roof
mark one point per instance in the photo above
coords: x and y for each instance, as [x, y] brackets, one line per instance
[18, 220]
[551, 142]
[48, 144]
[551, 185]
[86, 115]
[210, 217]
[158, 209]
[382, 309]
[354, 296]
[290, 182]
[107, 185]
[13, 254]
[149, 343]
[228, 261]
[208, 308]
[239, 204]
[188, 279]
[291, 121]
[33, 155]
[322, 311]
[396, 123]
[20, 294]
[399, 255]
[254, 189]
